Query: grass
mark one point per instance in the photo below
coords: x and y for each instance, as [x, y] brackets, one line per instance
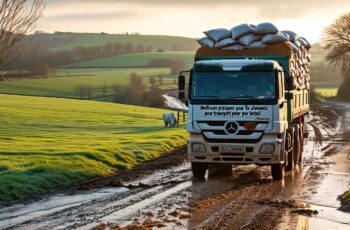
[50, 142]
[64, 86]
[327, 92]
[137, 59]
[325, 89]
[345, 198]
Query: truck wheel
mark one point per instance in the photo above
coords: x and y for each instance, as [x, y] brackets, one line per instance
[301, 138]
[290, 163]
[278, 171]
[296, 143]
[290, 152]
[199, 169]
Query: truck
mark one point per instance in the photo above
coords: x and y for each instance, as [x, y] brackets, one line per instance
[243, 109]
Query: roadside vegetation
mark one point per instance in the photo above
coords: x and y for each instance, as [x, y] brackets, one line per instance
[337, 42]
[345, 201]
[48, 143]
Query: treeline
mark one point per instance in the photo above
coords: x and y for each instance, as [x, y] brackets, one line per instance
[39, 60]
[175, 65]
[136, 93]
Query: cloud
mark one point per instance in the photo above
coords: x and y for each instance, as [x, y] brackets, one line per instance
[94, 16]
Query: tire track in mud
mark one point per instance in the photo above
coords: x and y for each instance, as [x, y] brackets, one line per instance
[243, 198]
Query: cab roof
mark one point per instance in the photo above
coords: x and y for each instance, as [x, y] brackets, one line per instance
[236, 65]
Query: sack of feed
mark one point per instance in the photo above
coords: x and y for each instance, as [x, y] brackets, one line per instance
[266, 28]
[218, 34]
[241, 30]
[257, 44]
[248, 39]
[206, 42]
[292, 36]
[224, 43]
[274, 38]
[234, 47]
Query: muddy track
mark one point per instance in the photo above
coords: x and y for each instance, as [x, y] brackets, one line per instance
[161, 194]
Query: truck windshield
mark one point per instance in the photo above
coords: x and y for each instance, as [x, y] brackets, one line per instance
[233, 85]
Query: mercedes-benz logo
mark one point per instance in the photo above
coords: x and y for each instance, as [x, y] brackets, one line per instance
[231, 127]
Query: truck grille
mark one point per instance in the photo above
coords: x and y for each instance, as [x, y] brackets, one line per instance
[215, 130]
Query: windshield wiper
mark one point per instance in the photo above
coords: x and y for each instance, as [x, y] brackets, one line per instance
[243, 97]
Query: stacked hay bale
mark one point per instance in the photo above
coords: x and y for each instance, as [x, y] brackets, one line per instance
[262, 39]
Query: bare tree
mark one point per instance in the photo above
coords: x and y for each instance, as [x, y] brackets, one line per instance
[337, 40]
[84, 91]
[17, 17]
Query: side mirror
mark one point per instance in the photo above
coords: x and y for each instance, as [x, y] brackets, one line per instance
[181, 82]
[182, 95]
[289, 96]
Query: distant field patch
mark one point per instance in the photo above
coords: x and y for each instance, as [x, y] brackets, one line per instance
[136, 59]
[68, 41]
[49, 142]
[325, 89]
[327, 92]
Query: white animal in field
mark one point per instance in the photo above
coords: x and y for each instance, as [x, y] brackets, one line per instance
[169, 120]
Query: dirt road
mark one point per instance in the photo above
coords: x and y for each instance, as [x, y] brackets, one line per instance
[162, 194]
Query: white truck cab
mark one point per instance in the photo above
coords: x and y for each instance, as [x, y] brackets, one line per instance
[240, 112]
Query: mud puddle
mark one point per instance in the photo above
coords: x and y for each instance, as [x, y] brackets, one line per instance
[20, 213]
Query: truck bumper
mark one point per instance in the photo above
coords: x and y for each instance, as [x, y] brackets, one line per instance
[251, 154]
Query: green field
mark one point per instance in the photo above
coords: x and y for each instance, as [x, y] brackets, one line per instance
[327, 92]
[68, 41]
[136, 59]
[325, 89]
[50, 142]
[64, 86]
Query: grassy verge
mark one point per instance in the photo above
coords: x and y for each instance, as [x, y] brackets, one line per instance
[345, 198]
[50, 142]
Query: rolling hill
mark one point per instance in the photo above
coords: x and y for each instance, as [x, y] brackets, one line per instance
[68, 41]
[50, 142]
[134, 60]
[64, 82]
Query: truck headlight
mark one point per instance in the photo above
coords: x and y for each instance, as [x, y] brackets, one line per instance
[267, 148]
[198, 148]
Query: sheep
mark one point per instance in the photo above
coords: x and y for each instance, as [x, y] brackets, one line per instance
[169, 120]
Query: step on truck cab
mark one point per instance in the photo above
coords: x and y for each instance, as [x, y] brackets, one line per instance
[243, 110]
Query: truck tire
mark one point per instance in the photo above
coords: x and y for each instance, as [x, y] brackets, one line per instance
[278, 171]
[199, 169]
[301, 138]
[296, 143]
[290, 152]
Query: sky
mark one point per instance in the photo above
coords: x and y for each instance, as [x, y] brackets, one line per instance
[189, 17]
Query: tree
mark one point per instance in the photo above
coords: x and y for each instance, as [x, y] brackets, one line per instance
[140, 48]
[17, 17]
[83, 91]
[135, 92]
[116, 89]
[38, 67]
[175, 65]
[160, 79]
[337, 40]
[153, 81]
[155, 97]
[104, 90]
